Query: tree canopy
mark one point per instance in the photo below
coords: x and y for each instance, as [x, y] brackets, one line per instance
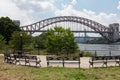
[15, 41]
[39, 41]
[2, 42]
[7, 27]
[60, 40]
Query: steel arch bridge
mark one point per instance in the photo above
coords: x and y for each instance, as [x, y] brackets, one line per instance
[106, 32]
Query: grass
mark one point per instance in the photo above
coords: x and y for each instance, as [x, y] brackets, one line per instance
[14, 72]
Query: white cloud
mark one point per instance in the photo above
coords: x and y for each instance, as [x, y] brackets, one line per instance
[23, 1]
[118, 5]
[8, 8]
[45, 5]
[24, 10]
[74, 2]
[102, 18]
[35, 5]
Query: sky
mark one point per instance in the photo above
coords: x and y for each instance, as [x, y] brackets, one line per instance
[31, 11]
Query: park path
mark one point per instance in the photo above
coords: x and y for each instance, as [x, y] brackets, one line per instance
[84, 62]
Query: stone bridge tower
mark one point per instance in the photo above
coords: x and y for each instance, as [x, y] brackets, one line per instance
[114, 28]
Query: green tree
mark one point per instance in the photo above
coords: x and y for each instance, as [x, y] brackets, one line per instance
[60, 40]
[69, 45]
[2, 42]
[7, 27]
[39, 41]
[15, 41]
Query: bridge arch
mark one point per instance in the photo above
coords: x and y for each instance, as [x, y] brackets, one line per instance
[97, 27]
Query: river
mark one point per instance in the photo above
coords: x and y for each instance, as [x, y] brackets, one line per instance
[101, 49]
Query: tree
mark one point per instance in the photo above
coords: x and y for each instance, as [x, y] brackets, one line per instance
[2, 42]
[39, 42]
[7, 27]
[69, 45]
[15, 41]
[60, 40]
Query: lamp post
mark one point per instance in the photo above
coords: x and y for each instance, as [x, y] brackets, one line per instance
[37, 46]
[21, 44]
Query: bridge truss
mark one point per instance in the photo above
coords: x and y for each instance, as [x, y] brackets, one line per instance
[92, 26]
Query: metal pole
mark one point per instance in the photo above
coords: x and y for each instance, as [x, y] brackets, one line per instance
[109, 52]
[85, 35]
[21, 43]
[95, 53]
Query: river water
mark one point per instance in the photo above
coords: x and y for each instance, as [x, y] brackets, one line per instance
[101, 49]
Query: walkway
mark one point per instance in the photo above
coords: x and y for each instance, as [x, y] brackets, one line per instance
[84, 62]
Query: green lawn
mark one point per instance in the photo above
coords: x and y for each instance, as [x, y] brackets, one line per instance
[13, 72]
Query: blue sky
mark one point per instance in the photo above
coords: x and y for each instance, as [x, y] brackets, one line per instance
[30, 11]
[107, 6]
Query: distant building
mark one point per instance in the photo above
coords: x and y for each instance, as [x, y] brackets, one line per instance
[17, 22]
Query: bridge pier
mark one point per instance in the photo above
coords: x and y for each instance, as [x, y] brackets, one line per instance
[115, 32]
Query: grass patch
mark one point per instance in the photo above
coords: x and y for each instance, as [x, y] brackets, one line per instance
[14, 72]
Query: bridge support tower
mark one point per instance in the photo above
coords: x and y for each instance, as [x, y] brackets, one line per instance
[115, 32]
